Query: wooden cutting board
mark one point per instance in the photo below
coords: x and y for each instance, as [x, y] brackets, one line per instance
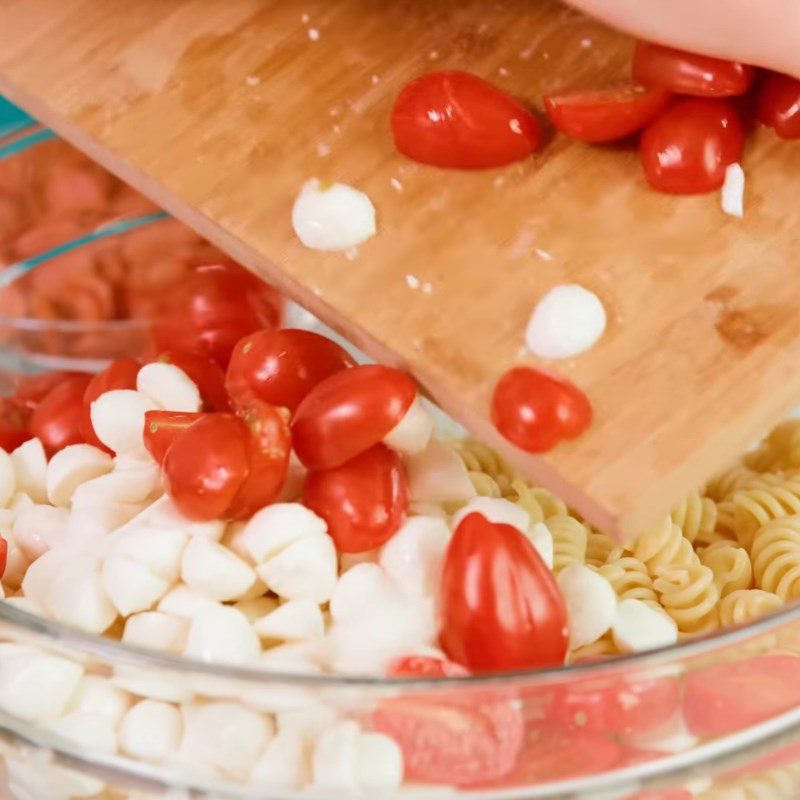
[221, 109]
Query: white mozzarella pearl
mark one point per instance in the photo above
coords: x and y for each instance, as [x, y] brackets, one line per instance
[294, 620]
[131, 586]
[158, 549]
[332, 216]
[412, 434]
[39, 528]
[283, 765]
[379, 763]
[591, 603]
[98, 696]
[497, 510]
[71, 467]
[222, 634]
[274, 528]
[308, 722]
[305, 569]
[163, 514]
[156, 630]
[151, 731]
[413, 557]
[153, 684]
[30, 470]
[118, 420]
[638, 627]
[541, 538]
[17, 564]
[212, 570]
[133, 483]
[92, 732]
[8, 478]
[335, 760]
[89, 525]
[183, 602]
[438, 475]
[169, 387]
[672, 736]
[256, 607]
[364, 589]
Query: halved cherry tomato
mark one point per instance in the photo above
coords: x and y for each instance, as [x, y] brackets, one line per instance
[3, 555]
[281, 367]
[14, 420]
[618, 706]
[161, 428]
[120, 374]
[454, 119]
[206, 374]
[779, 105]
[535, 411]
[607, 114]
[215, 307]
[553, 753]
[270, 444]
[689, 147]
[424, 667]
[56, 421]
[660, 67]
[500, 608]
[206, 466]
[465, 737]
[348, 413]
[32, 389]
[364, 501]
[731, 697]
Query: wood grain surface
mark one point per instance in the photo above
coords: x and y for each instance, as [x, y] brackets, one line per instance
[221, 109]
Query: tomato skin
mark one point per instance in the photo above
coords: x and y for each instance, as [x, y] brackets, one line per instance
[424, 667]
[510, 614]
[217, 306]
[348, 413]
[363, 501]
[679, 71]
[535, 411]
[269, 446]
[14, 421]
[779, 105]
[730, 697]
[457, 120]
[662, 794]
[605, 115]
[57, 418]
[205, 373]
[206, 466]
[281, 367]
[3, 555]
[161, 428]
[32, 389]
[120, 374]
[688, 148]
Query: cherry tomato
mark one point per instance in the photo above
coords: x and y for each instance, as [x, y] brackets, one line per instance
[363, 501]
[270, 444]
[465, 737]
[31, 390]
[660, 67]
[56, 421]
[120, 374]
[535, 411]
[161, 428]
[688, 148]
[281, 367]
[206, 466]
[454, 119]
[424, 667]
[206, 374]
[348, 413]
[553, 753]
[635, 755]
[499, 606]
[215, 307]
[3, 556]
[731, 697]
[605, 115]
[14, 420]
[779, 105]
[619, 706]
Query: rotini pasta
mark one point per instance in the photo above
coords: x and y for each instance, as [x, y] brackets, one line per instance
[539, 503]
[604, 647]
[785, 442]
[570, 539]
[629, 578]
[490, 475]
[689, 596]
[747, 605]
[776, 557]
[663, 545]
[696, 516]
[598, 548]
[763, 501]
[779, 783]
[725, 483]
[730, 564]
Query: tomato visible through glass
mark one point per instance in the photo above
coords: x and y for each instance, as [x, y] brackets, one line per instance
[161, 428]
[605, 115]
[454, 119]
[281, 367]
[689, 147]
[57, 419]
[120, 374]
[535, 411]
[500, 608]
[350, 412]
[363, 501]
[660, 67]
[14, 420]
[32, 389]
[206, 374]
[424, 667]
[779, 105]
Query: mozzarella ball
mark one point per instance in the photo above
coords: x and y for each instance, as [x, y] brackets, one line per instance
[363, 590]
[306, 568]
[133, 483]
[72, 466]
[541, 538]
[153, 684]
[39, 528]
[8, 478]
[274, 528]
[222, 634]
[295, 620]
[92, 732]
[30, 470]
[183, 602]
[335, 760]
[438, 475]
[496, 510]
[118, 420]
[591, 603]
[638, 626]
[212, 570]
[283, 765]
[98, 696]
[158, 549]
[169, 387]
[156, 630]
[308, 722]
[163, 514]
[379, 763]
[130, 586]
[413, 557]
[151, 731]
[411, 435]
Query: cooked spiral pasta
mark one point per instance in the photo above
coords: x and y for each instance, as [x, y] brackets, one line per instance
[730, 564]
[604, 647]
[747, 605]
[689, 596]
[490, 475]
[779, 783]
[695, 516]
[725, 483]
[663, 545]
[629, 578]
[598, 548]
[765, 458]
[569, 541]
[539, 503]
[776, 557]
[761, 502]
